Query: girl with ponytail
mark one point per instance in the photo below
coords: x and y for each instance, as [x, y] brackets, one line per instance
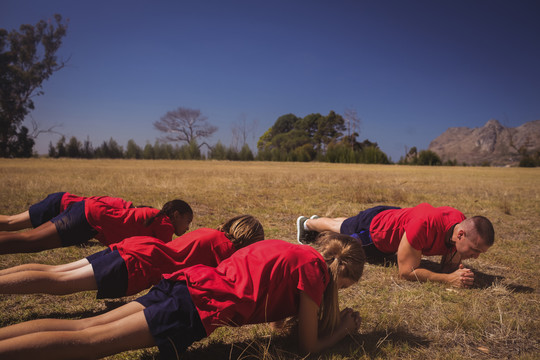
[344, 261]
[264, 282]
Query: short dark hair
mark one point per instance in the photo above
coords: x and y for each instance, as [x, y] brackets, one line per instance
[484, 228]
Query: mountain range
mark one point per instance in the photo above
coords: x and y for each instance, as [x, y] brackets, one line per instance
[492, 144]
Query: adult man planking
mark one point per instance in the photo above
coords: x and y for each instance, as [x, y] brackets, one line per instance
[409, 233]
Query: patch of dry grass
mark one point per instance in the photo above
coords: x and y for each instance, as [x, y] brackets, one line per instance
[499, 318]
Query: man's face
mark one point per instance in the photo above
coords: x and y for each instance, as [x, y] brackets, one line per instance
[470, 246]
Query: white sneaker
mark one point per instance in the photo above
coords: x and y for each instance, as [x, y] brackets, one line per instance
[304, 236]
[300, 231]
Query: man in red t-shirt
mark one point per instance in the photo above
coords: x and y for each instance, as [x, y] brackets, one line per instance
[387, 232]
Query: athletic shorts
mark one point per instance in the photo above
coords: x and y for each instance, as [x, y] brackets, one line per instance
[172, 318]
[46, 209]
[110, 272]
[358, 227]
[72, 226]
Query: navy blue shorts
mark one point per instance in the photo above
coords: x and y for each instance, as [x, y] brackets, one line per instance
[72, 226]
[46, 209]
[358, 227]
[172, 318]
[110, 272]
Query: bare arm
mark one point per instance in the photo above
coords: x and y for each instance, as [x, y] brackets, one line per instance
[450, 262]
[310, 341]
[409, 268]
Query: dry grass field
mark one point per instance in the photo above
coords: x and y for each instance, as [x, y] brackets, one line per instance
[497, 319]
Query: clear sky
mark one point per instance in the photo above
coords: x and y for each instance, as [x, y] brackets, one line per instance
[409, 68]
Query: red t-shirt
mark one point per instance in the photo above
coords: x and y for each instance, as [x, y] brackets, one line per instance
[426, 227]
[68, 199]
[148, 258]
[258, 283]
[115, 224]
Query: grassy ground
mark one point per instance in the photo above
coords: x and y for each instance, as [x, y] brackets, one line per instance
[498, 318]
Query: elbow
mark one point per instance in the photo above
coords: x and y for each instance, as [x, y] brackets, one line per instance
[407, 275]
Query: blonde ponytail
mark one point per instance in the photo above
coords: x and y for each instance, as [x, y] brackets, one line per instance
[345, 258]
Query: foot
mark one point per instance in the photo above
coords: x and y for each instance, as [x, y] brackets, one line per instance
[300, 231]
[304, 236]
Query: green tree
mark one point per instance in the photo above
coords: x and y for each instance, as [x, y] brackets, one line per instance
[246, 154]
[314, 137]
[163, 151]
[329, 129]
[61, 150]
[52, 150]
[529, 159]
[87, 150]
[428, 157]
[24, 144]
[148, 152]
[133, 150]
[218, 152]
[290, 136]
[110, 149]
[373, 155]
[74, 148]
[27, 59]
[411, 157]
[194, 150]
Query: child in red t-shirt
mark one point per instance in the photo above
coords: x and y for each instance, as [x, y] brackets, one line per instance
[267, 281]
[46, 209]
[84, 220]
[134, 264]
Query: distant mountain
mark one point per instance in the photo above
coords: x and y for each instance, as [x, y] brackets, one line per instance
[493, 143]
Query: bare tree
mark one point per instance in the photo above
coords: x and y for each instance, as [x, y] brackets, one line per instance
[241, 131]
[353, 122]
[185, 125]
[36, 131]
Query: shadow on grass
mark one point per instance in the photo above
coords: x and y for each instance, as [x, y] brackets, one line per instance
[371, 345]
[481, 279]
[276, 347]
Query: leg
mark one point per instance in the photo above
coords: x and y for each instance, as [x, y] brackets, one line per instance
[43, 237]
[308, 229]
[46, 282]
[15, 222]
[42, 267]
[41, 325]
[325, 224]
[96, 341]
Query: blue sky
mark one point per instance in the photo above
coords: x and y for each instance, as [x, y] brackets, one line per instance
[409, 68]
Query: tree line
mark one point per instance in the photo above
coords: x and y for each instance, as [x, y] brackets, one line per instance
[111, 149]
